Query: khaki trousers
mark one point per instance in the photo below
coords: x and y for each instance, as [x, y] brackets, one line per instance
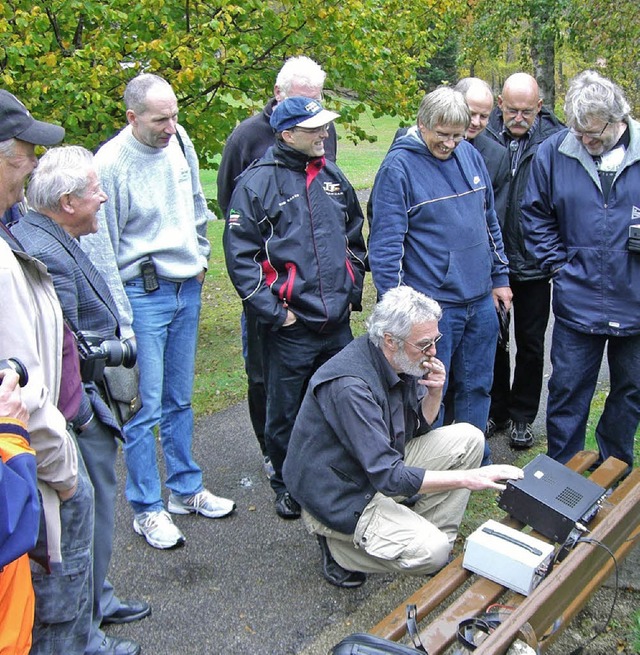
[391, 537]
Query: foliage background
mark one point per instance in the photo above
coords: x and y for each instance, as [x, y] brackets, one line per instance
[69, 60]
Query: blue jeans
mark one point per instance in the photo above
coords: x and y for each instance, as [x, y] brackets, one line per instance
[64, 604]
[576, 359]
[467, 349]
[165, 323]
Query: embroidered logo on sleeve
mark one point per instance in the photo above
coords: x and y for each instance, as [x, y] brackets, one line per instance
[234, 218]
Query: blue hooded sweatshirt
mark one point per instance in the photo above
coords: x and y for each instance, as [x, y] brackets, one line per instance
[434, 227]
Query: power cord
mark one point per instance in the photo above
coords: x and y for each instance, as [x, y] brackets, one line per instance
[594, 542]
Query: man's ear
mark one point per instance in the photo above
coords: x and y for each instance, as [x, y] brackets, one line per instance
[66, 203]
[131, 116]
[390, 342]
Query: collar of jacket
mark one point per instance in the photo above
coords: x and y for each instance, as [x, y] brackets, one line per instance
[291, 158]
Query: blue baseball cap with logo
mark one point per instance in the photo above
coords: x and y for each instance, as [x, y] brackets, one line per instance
[299, 111]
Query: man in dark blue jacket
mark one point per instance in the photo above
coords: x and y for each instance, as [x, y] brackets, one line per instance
[435, 229]
[521, 123]
[579, 210]
[362, 445]
[294, 251]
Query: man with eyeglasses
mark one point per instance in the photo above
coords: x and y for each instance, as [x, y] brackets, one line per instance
[434, 228]
[381, 490]
[295, 254]
[579, 212]
[299, 76]
[521, 123]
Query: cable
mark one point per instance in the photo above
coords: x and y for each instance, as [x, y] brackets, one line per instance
[586, 540]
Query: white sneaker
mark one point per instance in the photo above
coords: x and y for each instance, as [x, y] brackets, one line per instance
[204, 502]
[158, 529]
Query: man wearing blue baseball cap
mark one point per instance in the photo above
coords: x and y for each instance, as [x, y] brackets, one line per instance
[295, 254]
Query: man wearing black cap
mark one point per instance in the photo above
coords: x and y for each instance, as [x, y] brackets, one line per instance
[295, 254]
[32, 329]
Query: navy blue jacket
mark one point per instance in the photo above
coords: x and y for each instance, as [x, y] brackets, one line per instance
[582, 240]
[293, 240]
[434, 226]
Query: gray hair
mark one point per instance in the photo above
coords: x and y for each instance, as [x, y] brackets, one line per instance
[136, 91]
[592, 96]
[302, 71]
[398, 311]
[444, 106]
[60, 171]
[8, 148]
[466, 83]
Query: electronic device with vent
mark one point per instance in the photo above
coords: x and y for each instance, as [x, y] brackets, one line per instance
[551, 498]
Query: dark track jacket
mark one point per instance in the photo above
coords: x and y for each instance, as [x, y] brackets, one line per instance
[522, 263]
[293, 239]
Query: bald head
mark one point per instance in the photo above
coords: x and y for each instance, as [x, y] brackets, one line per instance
[479, 97]
[520, 103]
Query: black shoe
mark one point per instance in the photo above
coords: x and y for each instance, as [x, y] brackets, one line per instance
[494, 426]
[129, 610]
[286, 506]
[334, 573]
[115, 646]
[521, 435]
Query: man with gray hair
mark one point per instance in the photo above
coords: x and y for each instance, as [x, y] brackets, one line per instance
[581, 216]
[250, 140]
[362, 446]
[435, 228]
[156, 220]
[65, 196]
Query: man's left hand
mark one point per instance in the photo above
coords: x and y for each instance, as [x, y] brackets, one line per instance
[504, 294]
[435, 374]
[493, 476]
[200, 276]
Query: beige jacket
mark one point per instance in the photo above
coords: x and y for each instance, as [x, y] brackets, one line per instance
[31, 329]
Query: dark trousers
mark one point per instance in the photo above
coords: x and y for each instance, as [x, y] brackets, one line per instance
[252, 347]
[519, 400]
[292, 354]
[576, 358]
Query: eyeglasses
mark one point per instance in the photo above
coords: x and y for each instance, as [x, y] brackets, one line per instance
[590, 135]
[442, 137]
[312, 130]
[526, 113]
[425, 348]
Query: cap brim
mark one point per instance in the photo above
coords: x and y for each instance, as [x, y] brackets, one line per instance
[42, 134]
[321, 118]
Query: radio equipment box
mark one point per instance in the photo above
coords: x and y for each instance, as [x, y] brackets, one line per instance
[504, 555]
[551, 498]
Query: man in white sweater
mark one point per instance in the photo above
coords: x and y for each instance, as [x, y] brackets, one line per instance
[156, 218]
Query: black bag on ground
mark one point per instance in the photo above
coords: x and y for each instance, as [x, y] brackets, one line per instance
[362, 643]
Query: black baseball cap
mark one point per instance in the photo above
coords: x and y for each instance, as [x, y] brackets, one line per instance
[17, 123]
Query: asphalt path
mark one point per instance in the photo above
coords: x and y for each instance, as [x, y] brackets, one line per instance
[251, 582]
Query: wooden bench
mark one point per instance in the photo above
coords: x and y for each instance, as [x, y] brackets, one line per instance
[552, 605]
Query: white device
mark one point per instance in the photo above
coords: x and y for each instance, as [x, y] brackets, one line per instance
[507, 556]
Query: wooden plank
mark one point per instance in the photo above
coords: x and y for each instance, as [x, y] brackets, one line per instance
[584, 565]
[453, 576]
